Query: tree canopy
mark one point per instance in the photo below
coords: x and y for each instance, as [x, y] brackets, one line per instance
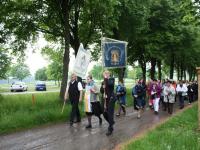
[20, 71]
[158, 32]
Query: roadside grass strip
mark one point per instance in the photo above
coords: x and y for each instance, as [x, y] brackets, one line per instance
[18, 112]
[178, 133]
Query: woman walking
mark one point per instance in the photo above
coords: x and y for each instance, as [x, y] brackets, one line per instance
[91, 101]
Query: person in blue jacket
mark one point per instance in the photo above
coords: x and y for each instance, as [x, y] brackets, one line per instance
[121, 97]
[139, 97]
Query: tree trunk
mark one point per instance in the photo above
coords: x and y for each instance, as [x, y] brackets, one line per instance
[159, 69]
[75, 42]
[121, 74]
[65, 12]
[144, 73]
[194, 74]
[58, 82]
[178, 72]
[190, 72]
[172, 67]
[153, 68]
[185, 76]
[143, 66]
[182, 71]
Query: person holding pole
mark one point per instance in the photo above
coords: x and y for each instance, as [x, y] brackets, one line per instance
[109, 102]
[74, 93]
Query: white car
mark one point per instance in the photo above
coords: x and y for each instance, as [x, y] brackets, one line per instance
[18, 86]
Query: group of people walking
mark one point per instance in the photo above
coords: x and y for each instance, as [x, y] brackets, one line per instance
[92, 104]
[101, 101]
[163, 94]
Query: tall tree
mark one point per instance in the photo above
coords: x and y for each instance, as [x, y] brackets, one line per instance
[4, 63]
[41, 74]
[20, 71]
[65, 21]
[54, 72]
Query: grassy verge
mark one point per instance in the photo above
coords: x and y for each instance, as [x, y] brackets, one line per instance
[179, 133]
[17, 111]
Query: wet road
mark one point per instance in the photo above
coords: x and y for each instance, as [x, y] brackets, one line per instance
[64, 137]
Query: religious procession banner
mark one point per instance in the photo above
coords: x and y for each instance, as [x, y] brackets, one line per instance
[87, 102]
[114, 53]
[82, 62]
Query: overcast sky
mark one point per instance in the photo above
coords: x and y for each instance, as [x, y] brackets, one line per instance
[36, 61]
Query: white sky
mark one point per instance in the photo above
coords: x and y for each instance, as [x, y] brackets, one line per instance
[36, 61]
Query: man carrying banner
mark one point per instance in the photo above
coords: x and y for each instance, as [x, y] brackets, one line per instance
[109, 102]
[114, 56]
[74, 93]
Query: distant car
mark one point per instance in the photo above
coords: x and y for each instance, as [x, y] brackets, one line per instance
[18, 86]
[40, 86]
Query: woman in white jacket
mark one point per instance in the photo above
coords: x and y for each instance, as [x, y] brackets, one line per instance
[182, 93]
[169, 97]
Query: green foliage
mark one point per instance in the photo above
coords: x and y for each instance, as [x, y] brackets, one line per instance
[55, 55]
[173, 134]
[4, 63]
[41, 74]
[20, 71]
[97, 72]
[54, 71]
[136, 73]
[17, 111]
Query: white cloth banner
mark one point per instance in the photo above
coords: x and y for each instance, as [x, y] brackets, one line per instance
[82, 62]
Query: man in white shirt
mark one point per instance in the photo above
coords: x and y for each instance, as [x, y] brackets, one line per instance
[74, 93]
[182, 93]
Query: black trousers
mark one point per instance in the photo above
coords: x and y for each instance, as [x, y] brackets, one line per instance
[109, 114]
[168, 107]
[181, 101]
[75, 111]
[191, 97]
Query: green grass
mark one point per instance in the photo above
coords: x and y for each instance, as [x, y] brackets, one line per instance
[179, 133]
[17, 111]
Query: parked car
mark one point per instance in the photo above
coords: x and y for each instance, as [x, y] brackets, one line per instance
[40, 86]
[18, 86]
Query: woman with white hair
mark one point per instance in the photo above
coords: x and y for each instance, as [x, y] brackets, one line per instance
[91, 101]
[169, 97]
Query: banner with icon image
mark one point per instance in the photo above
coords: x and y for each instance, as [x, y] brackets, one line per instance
[114, 53]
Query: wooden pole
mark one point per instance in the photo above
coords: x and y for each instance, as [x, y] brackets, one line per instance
[63, 107]
[198, 78]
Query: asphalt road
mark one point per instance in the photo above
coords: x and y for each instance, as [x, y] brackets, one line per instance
[27, 92]
[63, 137]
